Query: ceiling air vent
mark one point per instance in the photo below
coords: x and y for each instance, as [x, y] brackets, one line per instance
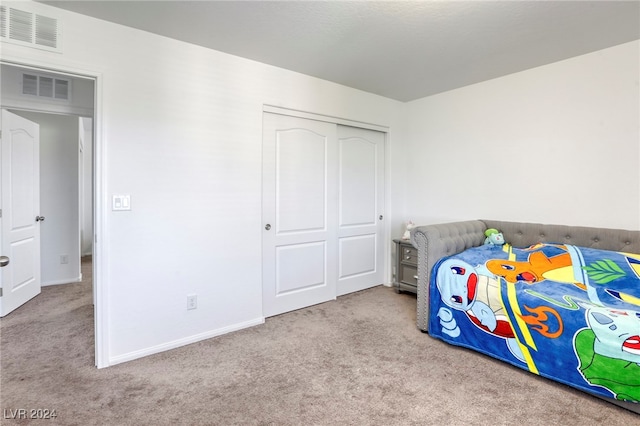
[29, 29]
[45, 87]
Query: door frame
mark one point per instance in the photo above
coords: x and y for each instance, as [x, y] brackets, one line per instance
[387, 177]
[100, 236]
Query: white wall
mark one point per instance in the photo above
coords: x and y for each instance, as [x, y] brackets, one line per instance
[59, 233]
[555, 144]
[182, 131]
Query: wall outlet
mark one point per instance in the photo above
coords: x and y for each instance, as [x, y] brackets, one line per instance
[192, 301]
[64, 259]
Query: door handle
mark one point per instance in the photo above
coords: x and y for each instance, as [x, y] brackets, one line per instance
[267, 226]
[4, 261]
[39, 218]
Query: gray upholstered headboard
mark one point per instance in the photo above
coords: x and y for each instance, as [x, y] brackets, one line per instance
[436, 241]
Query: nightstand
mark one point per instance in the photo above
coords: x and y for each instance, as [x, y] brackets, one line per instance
[406, 277]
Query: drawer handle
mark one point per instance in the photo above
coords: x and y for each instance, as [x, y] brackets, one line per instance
[407, 251]
[415, 276]
[407, 257]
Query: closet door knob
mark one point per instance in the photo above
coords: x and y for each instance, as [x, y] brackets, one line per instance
[39, 218]
[267, 226]
[4, 261]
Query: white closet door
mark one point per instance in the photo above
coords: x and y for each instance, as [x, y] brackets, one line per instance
[299, 213]
[360, 209]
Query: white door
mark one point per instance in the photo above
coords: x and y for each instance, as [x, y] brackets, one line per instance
[299, 213]
[20, 186]
[360, 209]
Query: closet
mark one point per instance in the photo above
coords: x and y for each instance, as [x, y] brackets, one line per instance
[322, 210]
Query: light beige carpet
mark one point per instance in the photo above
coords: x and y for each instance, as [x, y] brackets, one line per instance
[359, 360]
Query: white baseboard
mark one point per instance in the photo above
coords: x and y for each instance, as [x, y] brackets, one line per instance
[64, 281]
[183, 342]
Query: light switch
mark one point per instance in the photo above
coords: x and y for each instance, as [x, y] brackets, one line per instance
[121, 202]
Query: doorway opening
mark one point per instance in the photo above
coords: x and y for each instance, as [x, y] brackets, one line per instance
[67, 174]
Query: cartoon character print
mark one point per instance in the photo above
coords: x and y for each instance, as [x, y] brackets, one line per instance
[617, 333]
[538, 267]
[609, 350]
[463, 289]
[532, 271]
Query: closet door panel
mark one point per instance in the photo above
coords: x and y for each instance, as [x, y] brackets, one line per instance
[360, 209]
[299, 213]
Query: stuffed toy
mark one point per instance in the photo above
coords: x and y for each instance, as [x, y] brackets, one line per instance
[494, 237]
[407, 232]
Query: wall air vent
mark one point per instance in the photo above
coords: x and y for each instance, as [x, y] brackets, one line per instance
[29, 84]
[46, 31]
[3, 21]
[61, 89]
[29, 29]
[45, 87]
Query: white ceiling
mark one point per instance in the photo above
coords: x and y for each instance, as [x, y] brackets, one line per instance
[403, 50]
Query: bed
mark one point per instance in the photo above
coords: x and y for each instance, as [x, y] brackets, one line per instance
[552, 289]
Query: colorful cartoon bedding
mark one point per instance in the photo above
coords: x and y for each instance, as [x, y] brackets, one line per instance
[568, 313]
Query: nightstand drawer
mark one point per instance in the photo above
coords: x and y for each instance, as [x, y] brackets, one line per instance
[409, 251]
[408, 275]
[411, 259]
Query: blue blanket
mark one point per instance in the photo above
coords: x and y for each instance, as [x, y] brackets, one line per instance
[568, 313]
